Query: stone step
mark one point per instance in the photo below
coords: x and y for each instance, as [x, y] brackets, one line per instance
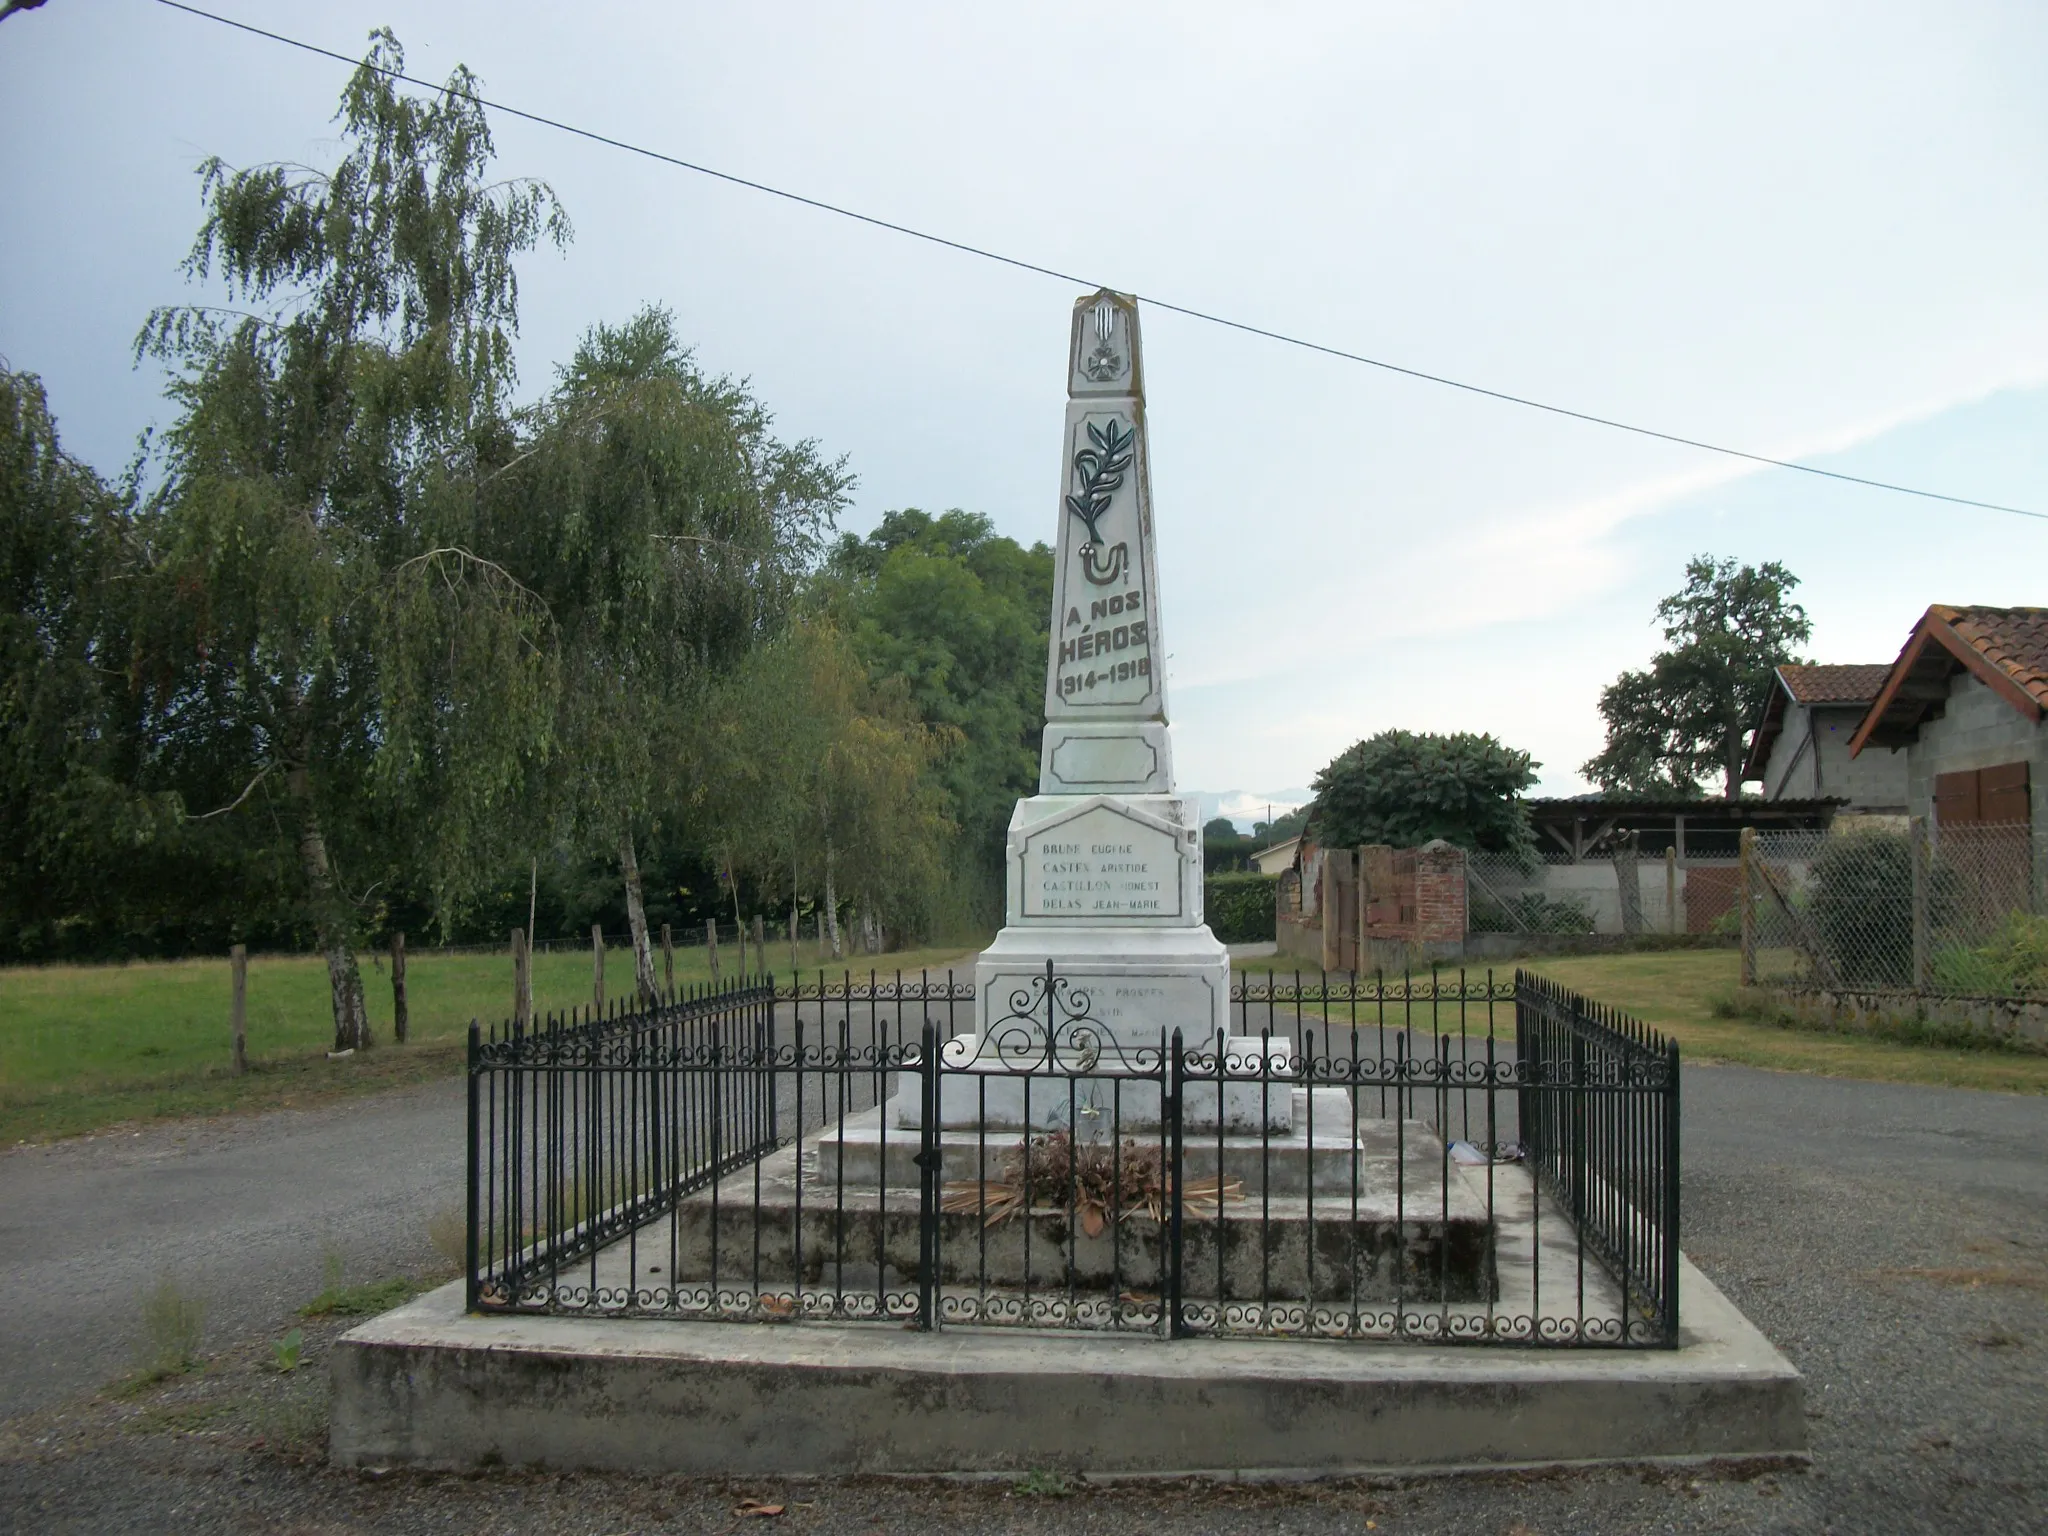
[1370, 1156]
[782, 1230]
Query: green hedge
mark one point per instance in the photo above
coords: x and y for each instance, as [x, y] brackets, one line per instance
[1240, 907]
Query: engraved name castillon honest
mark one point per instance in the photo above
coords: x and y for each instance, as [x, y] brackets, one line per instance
[1105, 661]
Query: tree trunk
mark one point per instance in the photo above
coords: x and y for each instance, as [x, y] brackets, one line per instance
[344, 980]
[831, 904]
[1733, 753]
[399, 1020]
[636, 920]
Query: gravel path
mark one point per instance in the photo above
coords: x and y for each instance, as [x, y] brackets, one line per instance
[1893, 1240]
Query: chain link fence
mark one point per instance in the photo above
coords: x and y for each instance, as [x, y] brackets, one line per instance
[1886, 905]
[1505, 894]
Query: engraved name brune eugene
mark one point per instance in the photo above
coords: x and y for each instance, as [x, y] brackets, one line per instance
[1096, 877]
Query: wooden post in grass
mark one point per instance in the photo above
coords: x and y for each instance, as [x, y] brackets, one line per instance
[1745, 861]
[1916, 847]
[597, 969]
[238, 1005]
[668, 959]
[760, 944]
[711, 947]
[522, 981]
[398, 1014]
[1671, 890]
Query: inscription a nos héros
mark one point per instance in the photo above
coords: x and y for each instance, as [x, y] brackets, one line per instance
[1124, 648]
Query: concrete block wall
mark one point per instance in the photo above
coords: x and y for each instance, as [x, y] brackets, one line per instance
[1810, 759]
[1979, 729]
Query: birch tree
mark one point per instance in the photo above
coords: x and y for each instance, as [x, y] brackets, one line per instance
[668, 529]
[319, 599]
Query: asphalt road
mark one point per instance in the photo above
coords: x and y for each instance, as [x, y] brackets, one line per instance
[242, 1212]
[1893, 1240]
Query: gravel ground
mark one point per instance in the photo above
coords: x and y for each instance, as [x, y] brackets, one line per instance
[241, 1212]
[1893, 1240]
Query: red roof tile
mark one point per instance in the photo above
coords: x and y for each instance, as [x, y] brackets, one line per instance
[2004, 648]
[2015, 640]
[1834, 684]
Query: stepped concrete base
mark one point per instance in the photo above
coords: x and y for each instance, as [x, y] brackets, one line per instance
[428, 1386]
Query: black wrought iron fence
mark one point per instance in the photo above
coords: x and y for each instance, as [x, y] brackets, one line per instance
[1370, 1158]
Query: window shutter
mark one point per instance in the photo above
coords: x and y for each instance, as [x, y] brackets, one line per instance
[2002, 793]
[1955, 799]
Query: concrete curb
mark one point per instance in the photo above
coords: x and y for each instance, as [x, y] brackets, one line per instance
[428, 1386]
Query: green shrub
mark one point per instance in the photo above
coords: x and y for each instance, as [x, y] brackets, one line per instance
[1860, 904]
[1240, 907]
[2014, 961]
[1530, 912]
[1861, 907]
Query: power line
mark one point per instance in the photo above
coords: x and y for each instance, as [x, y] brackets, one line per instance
[1022, 265]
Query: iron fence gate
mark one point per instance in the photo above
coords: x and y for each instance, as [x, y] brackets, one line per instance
[1362, 1158]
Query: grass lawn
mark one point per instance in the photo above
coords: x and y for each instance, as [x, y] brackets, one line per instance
[1686, 992]
[1676, 991]
[86, 1046]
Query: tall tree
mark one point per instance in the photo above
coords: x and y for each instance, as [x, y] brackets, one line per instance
[68, 814]
[815, 780]
[961, 615]
[1686, 716]
[667, 529]
[1408, 787]
[321, 607]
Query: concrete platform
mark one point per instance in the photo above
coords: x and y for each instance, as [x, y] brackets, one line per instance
[427, 1386]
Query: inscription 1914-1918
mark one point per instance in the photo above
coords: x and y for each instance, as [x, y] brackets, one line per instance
[1111, 643]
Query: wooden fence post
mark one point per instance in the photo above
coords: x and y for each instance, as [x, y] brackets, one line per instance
[398, 1012]
[522, 980]
[597, 968]
[1671, 890]
[238, 1006]
[1917, 848]
[711, 947]
[1745, 861]
[668, 959]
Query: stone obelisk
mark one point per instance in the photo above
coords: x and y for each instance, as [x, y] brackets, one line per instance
[1105, 861]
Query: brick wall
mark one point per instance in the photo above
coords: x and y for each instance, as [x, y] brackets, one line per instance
[1440, 894]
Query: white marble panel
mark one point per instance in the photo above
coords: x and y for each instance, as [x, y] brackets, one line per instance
[1101, 757]
[1104, 859]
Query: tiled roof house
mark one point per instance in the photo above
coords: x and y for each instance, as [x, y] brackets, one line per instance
[1966, 702]
[1800, 749]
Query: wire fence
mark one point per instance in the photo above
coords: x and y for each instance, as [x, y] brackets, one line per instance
[1896, 905]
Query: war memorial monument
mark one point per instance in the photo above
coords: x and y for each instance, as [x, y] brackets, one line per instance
[1105, 1209]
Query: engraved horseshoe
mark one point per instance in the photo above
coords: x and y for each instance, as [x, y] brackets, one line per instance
[1112, 570]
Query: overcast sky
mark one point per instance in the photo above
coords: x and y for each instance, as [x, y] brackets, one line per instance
[1813, 231]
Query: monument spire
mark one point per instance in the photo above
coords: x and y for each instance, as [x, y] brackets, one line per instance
[1105, 685]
